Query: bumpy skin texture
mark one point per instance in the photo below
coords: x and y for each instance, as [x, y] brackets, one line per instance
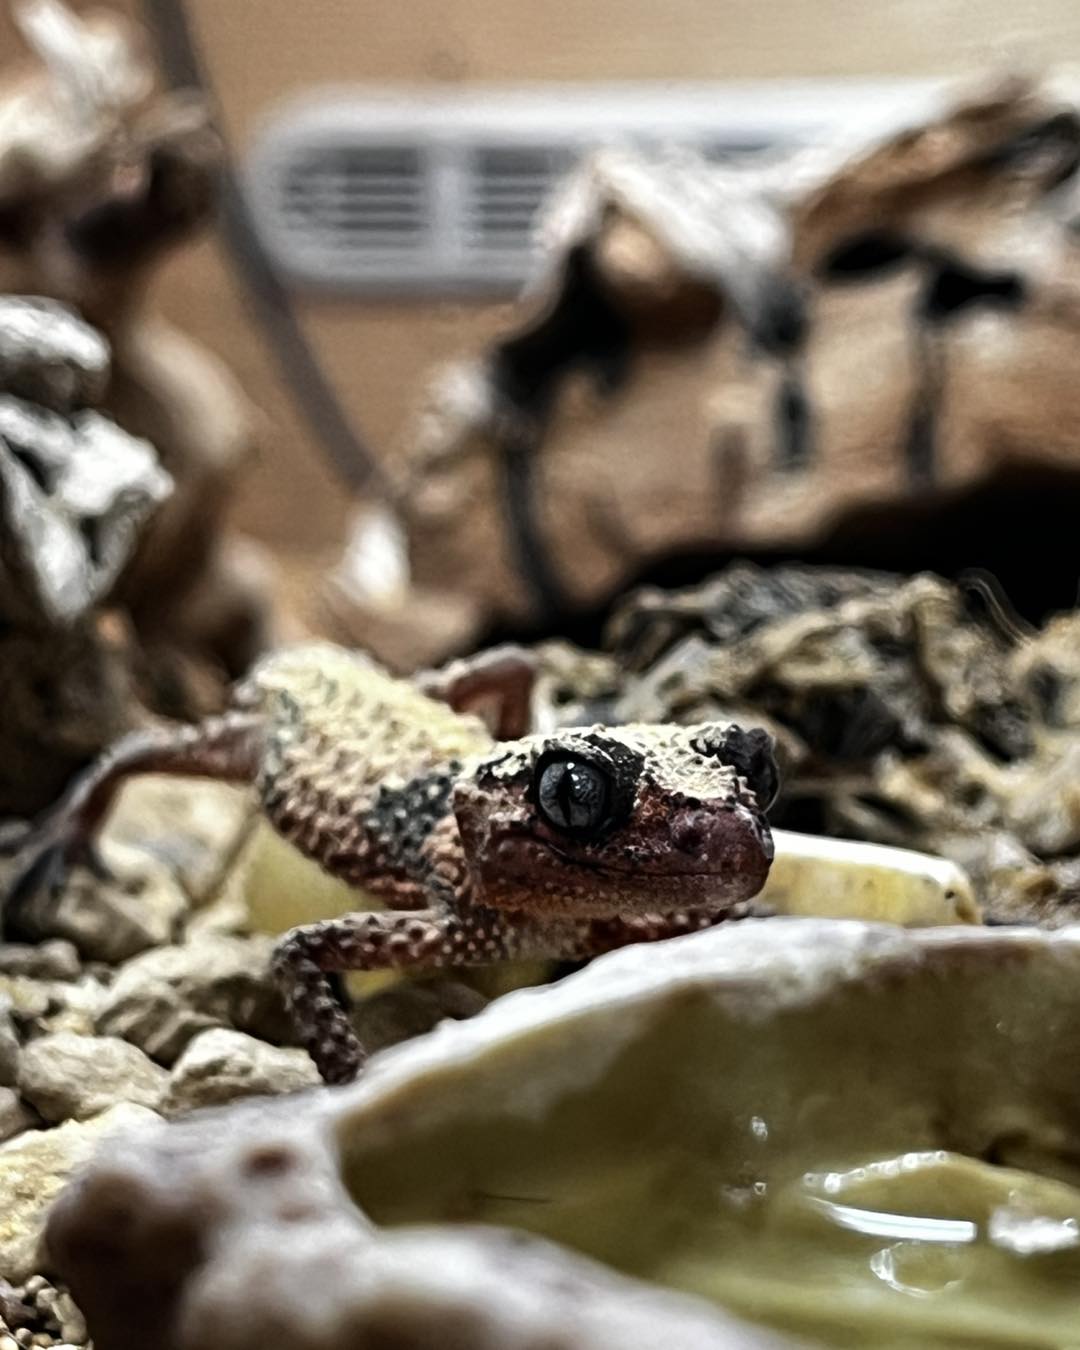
[549, 846]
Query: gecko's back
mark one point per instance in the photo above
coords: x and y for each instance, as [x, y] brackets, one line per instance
[343, 741]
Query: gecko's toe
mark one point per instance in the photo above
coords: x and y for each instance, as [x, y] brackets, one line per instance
[37, 872]
[343, 1065]
[41, 867]
[14, 832]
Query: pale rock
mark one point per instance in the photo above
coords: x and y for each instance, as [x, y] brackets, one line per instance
[221, 1065]
[65, 1076]
[155, 1017]
[163, 999]
[33, 1170]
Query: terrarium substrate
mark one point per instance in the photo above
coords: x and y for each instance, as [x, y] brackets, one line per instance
[906, 712]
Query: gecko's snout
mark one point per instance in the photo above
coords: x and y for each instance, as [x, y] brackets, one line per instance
[720, 843]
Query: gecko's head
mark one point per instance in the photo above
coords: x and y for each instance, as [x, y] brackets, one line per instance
[620, 820]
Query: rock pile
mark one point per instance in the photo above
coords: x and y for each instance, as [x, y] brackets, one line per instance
[136, 1003]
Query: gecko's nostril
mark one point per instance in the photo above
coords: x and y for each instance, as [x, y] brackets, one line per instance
[690, 831]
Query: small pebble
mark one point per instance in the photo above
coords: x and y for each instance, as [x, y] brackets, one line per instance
[68, 1318]
[222, 1065]
[70, 1077]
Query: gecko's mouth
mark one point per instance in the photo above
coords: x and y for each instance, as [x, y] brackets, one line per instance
[724, 868]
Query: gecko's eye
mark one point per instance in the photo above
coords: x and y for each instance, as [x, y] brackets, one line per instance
[574, 795]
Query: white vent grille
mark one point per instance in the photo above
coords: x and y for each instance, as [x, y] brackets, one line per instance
[354, 203]
[388, 193]
[507, 186]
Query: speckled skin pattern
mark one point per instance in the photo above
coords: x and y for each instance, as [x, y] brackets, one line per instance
[549, 846]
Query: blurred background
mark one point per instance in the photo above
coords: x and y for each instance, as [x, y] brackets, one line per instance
[377, 350]
[456, 322]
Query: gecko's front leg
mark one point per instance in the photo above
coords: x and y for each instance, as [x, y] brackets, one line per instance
[433, 939]
[390, 940]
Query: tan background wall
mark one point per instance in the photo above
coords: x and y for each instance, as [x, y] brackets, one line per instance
[259, 51]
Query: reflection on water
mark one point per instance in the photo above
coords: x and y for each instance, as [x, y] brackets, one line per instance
[909, 1226]
[926, 1256]
[926, 1250]
[1013, 1226]
[1017, 1229]
[979, 1254]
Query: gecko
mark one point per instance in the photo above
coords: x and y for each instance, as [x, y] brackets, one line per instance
[559, 845]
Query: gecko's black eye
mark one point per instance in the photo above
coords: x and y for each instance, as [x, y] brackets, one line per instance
[574, 795]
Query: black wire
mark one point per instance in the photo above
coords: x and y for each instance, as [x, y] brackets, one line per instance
[350, 456]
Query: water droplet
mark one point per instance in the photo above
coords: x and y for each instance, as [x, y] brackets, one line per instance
[918, 1269]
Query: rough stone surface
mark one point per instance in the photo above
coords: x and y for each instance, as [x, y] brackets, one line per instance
[164, 998]
[907, 710]
[194, 828]
[33, 1169]
[71, 1077]
[53, 960]
[221, 1065]
[74, 495]
[141, 905]
[49, 355]
[15, 1116]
